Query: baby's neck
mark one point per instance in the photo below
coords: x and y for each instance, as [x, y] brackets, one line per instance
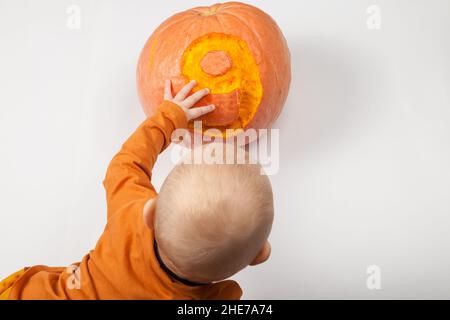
[170, 273]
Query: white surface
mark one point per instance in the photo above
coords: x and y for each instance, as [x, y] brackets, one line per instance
[365, 142]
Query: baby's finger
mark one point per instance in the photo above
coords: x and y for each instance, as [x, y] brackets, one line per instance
[181, 95]
[194, 98]
[194, 113]
[168, 90]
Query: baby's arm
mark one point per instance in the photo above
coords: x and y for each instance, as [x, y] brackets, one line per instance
[129, 173]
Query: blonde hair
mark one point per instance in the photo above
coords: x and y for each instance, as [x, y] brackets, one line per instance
[213, 219]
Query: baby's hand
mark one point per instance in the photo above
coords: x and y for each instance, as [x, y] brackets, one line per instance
[185, 102]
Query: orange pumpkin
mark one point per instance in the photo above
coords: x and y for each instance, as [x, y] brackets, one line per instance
[234, 49]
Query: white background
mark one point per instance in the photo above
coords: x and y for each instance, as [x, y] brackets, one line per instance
[364, 173]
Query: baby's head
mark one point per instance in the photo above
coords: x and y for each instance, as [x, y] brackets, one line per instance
[213, 220]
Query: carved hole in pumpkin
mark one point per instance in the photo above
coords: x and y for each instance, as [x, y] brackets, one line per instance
[242, 74]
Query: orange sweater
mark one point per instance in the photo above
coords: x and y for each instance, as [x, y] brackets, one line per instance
[123, 264]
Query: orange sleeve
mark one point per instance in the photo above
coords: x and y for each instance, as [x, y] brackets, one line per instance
[128, 177]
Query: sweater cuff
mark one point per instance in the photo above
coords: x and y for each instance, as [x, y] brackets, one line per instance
[174, 113]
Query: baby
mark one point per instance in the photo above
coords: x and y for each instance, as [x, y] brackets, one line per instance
[208, 222]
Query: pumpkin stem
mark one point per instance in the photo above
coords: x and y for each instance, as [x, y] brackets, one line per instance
[210, 12]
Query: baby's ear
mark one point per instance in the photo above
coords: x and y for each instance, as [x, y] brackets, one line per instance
[263, 254]
[149, 212]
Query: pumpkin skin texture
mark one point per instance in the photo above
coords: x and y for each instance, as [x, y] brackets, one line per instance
[234, 49]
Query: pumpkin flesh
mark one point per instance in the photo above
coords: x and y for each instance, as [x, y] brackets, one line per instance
[241, 75]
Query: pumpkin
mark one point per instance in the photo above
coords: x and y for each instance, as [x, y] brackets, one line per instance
[234, 49]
